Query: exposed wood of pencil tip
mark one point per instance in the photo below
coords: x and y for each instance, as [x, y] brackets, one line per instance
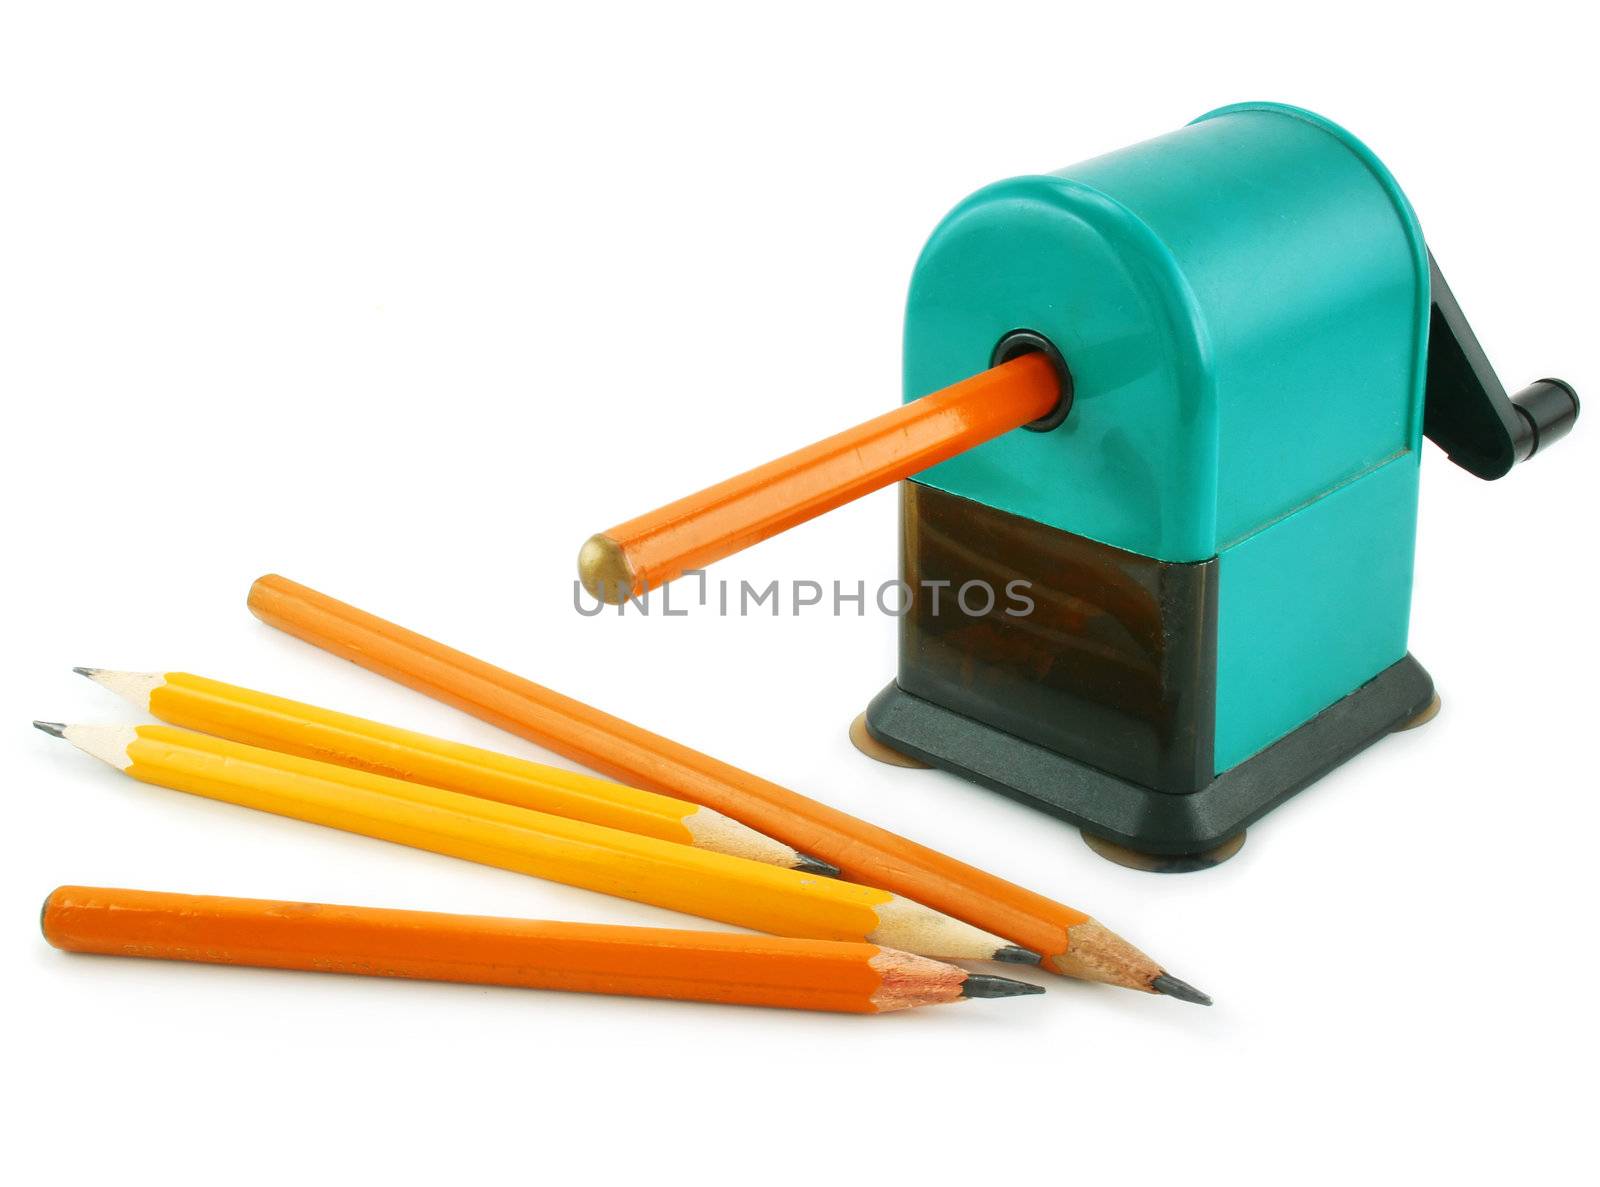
[913, 927]
[1096, 953]
[909, 980]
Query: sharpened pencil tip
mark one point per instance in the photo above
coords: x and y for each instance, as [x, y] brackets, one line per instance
[54, 728]
[815, 865]
[91, 673]
[1181, 990]
[984, 985]
[1011, 954]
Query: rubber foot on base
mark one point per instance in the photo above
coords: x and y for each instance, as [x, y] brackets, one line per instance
[1165, 863]
[874, 749]
[1422, 718]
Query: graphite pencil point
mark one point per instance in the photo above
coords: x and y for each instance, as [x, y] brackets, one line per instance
[1181, 990]
[984, 985]
[54, 728]
[91, 673]
[815, 865]
[1012, 954]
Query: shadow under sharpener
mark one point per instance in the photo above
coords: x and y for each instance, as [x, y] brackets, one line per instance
[1217, 541]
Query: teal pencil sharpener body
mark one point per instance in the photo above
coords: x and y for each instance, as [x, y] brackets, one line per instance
[1215, 542]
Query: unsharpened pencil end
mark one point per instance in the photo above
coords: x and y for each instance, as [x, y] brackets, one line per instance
[1011, 954]
[806, 864]
[605, 570]
[1181, 990]
[54, 728]
[984, 985]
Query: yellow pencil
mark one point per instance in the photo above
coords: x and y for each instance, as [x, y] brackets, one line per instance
[275, 723]
[711, 885]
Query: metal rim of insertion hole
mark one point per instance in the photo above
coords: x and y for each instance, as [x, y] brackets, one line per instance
[1020, 342]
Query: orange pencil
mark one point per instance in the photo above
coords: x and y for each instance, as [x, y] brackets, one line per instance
[651, 550]
[535, 954]
[1071, 942]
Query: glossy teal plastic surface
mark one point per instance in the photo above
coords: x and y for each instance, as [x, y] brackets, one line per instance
[1313, 607]
[1243, 304]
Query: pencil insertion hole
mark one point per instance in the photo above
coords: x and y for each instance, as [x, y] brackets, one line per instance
[1021, 342]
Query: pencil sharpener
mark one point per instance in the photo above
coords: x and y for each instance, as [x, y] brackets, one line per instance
[1199, 580]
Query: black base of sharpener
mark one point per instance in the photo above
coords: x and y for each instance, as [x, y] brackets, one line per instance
[1179, 832]
[1098, 706]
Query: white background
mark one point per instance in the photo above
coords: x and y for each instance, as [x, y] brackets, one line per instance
[405, 301]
